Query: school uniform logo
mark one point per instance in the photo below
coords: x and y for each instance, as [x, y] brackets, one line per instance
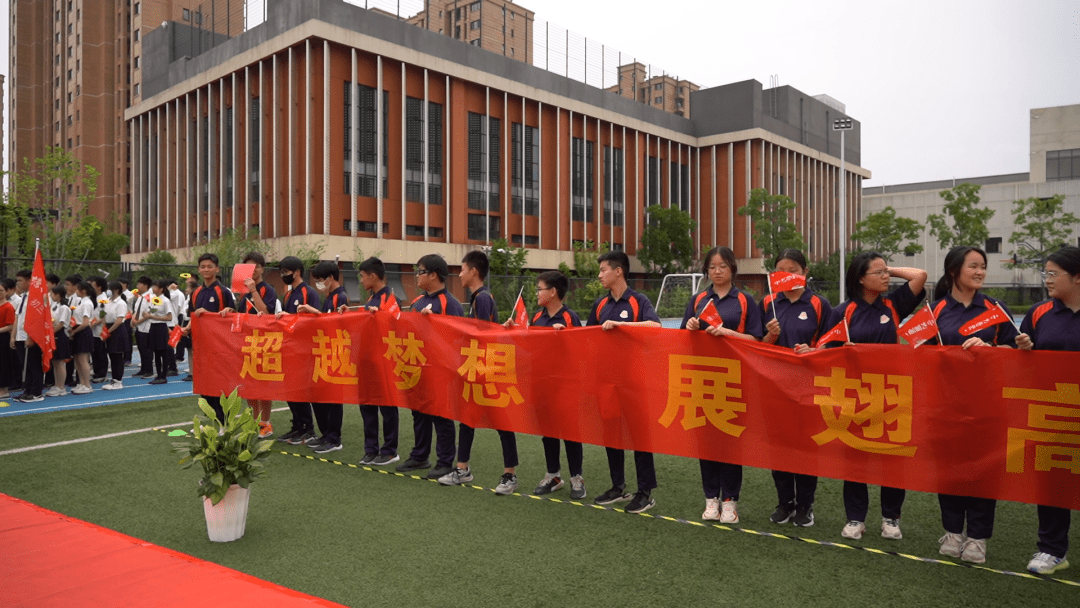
[211, 299]
[623, 315]
[802, 316]
[884, 319]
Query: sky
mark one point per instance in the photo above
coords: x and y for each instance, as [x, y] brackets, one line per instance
[943, 89]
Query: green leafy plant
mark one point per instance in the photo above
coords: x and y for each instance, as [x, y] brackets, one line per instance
[968, 219]
[228, 453]
[1041, 227]
[666, 246]
[772, 227]
[888, 235]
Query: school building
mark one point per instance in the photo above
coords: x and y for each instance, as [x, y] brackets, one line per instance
[334, 125]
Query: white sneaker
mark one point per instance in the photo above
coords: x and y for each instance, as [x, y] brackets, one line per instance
[974, 551]
[457, 477]
[951, 544]
[890, 528]
[729, 514]
[1044, 563]
[712, 510]
[113, 386]
[853, 530]
[55, 392]
[81, 390]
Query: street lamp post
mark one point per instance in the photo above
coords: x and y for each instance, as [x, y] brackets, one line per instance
[843, 125]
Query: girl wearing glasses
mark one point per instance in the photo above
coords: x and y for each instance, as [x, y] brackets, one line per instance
[1054, 325]
[873, 315]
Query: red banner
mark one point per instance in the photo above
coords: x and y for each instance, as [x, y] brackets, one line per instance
[38, 321]
[989, 422]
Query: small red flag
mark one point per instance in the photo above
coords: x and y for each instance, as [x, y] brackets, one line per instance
[175, 335]
[238, 323]
[390, 305]
[786, 281]
[105, 333]
[711, 316]
[993, 316]
[289, 322]
[920, 327]
[520, 315]
[836, 334]
[38, 321]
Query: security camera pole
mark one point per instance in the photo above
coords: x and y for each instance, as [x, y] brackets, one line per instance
[842, 125]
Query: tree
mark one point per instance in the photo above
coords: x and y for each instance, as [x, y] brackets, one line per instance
[885, 233]
[159, 264]
[231, 247]
[666, 246]
[1042, 226]
[507, 262]
[968, 220]
[586, 268]
[47, 199]
[772, 230]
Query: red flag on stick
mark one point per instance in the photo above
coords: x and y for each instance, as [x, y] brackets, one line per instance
[175, 335]
[520, 315]
[836, 334]
[711, 316]
[993, 316]
[785, 281]
[390, 305]
[39, 325]
[920, 327]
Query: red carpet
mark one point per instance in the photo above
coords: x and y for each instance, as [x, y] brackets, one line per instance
[48, 559]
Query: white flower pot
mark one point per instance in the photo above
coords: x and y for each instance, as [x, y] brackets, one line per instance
[225, 521]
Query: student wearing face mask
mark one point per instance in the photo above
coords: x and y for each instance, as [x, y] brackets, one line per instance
[297, 294]
[328, 415]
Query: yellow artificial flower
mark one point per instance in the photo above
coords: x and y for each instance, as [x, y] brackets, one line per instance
[156, 301]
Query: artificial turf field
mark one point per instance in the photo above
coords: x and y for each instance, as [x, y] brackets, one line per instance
[365, 538]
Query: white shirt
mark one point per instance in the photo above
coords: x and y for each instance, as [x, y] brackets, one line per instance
[61, 313]
[20, 316]
[141, 305]
[165, 308]
[84, 311]
[176, 298]
[97, 314]
[115, 309]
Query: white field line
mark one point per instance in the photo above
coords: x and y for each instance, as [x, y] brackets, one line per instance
[92, 403]
[109, 436]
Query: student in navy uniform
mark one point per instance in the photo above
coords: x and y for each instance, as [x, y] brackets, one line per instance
[551, 288]
[1054, 325]
[264, 303]
[722, 481]
[624, 306]
[474, 270]
[190, 285]
[957, 300]
[298, 294]
[794, 319]
[211, 296]
[431, 273]
[328, 415]
[873, 315]
[373, 279]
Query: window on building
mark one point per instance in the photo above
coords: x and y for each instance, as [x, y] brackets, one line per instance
[529, 239]
[135, 63]
[659, 100]
[136, 8]
[475, 42]
[475, 6]
[69, 75]
[1062, 165]
[525, 169]
[367, 227]
[582, 185]
[69, 51]
[136, 89]
[475, 25]
[484, 162]
[654, 181]
[71, 28]
[187, 14]
[365, 167]
[57, 16]
[481, 230]
[411, 230]
[658, 86]
[435, 232]
[993, 245]
[138, 33]
[198, 17]
[254, 147]
[435, 147]
[613, 186]
[414, 151]
[57, 62]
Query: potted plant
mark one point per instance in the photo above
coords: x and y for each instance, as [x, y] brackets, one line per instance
[231, 456]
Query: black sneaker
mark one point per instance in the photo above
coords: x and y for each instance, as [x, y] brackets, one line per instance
[368, 459]
[158, 381]
[385, 459]
[24, 398]
[289, 436]
[316, 442]
[327, 446]
[782, 513]
[172, 372]
[302, 438]
[642, 502]
[187, 378]
[613, 495]
[147, 376]
[804, 516]
[548, 484]
[438, 472]
[413, 465]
